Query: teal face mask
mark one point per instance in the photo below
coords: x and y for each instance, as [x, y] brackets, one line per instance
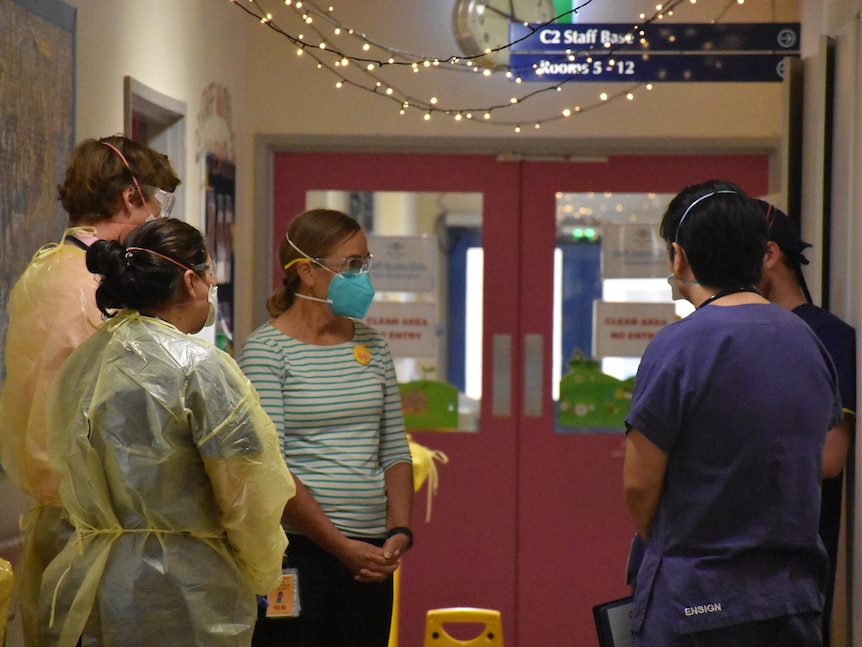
[350, 295]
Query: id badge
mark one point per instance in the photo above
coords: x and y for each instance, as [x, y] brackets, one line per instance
[283, 602]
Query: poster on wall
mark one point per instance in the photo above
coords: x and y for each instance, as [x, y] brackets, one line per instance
[591, 400]
[216, 149]
[404, 263]
[37, 98]
[633, 250]
[410, 328]
[220, 192]
[625, 329]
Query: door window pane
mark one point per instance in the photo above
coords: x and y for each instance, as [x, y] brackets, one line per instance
[428, 279]
[608, 249]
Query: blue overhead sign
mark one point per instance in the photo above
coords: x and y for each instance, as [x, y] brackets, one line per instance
[741, 52]
[753, 68]
[657, 37]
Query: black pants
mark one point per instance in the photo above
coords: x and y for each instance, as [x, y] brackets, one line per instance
[336, 610]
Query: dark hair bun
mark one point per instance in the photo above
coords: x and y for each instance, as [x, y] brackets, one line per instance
[105, 257]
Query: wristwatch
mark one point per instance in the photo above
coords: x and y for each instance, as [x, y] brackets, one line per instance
[401, 530]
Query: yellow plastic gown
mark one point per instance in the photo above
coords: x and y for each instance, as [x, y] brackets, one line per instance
[174, 482]
[7, 582]
[52, 309]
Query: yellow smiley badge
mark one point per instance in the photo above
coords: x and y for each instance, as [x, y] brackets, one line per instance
[361, 354]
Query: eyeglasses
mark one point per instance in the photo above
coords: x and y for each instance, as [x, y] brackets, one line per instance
[164, 198]
[209, 266]
[349, 265]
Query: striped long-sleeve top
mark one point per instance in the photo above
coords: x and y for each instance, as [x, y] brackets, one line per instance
[337, 410]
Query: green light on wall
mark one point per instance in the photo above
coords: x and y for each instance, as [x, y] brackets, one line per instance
[564, 6]
[584, 234]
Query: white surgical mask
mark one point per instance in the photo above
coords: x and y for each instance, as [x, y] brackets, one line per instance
[212, 297]
[673, 282]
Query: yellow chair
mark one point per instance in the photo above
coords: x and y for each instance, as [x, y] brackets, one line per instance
[7, 583]
[437, 636]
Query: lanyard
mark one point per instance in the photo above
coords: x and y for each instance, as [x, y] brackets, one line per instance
[724, 293]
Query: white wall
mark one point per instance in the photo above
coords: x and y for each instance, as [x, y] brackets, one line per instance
[304, 99]
[174, 48]
[839, 19]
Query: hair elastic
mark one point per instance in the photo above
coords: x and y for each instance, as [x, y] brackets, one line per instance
[700, 199]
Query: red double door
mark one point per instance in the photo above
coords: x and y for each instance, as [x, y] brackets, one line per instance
[527, 520]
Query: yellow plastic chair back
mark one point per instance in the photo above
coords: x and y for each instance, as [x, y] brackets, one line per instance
[437, 636]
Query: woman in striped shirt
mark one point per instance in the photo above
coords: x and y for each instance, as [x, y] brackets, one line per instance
[329, 384]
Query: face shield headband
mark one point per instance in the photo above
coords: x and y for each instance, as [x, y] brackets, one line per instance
[689, 208]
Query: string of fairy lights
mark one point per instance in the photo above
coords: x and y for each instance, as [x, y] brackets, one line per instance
[325, 39]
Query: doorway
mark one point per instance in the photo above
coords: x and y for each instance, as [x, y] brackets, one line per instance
[527, 520]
